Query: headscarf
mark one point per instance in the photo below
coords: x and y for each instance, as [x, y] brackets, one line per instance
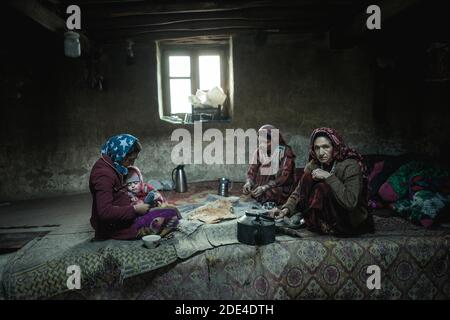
[340, 149]
[272, 161]
[117, 148]
[340, 153]
[135, 175]
[269, 128]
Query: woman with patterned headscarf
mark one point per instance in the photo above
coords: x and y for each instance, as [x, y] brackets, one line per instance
[113, 215]
[332, 194]
[271, 176]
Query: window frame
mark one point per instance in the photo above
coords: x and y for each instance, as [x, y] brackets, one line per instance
[193, 51]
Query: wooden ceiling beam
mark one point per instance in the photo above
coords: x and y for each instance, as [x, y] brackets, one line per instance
[252, 15]
[201, 23]
[212, 25]
[190, 7]
[118, 37]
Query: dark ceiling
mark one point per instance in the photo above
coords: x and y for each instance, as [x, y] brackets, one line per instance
[109, 20]
[105, 21]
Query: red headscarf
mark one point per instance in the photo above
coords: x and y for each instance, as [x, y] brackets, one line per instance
[269, 128]
[264, 159]
[340, 153]
[340, 149]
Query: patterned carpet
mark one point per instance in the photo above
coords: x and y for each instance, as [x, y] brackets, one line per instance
[209, 263]
[414, 264]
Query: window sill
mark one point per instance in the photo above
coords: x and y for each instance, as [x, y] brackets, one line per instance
[177, 120]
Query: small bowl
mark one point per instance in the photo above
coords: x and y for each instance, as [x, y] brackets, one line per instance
[151, 241]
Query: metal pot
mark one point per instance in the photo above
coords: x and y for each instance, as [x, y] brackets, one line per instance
[256, 228]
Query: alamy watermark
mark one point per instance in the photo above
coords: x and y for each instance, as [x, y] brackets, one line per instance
[374, 20]
[266, 143]
[73, 22]
[374, 279]
[74, 280]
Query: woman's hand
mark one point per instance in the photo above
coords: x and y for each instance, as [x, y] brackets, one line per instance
[259, 191]
[142, 208]
[247, 188]
[319, 174]
[277, 213]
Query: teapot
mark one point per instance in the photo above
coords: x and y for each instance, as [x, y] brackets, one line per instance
[179, 180]
[256, 228]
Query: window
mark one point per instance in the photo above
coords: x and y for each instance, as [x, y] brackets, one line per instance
[179, 84]
[187, 72]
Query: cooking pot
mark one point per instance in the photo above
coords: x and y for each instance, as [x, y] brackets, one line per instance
[256, 228]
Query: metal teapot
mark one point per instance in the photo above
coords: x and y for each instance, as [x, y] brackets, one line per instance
[256, 228]
[179, 180]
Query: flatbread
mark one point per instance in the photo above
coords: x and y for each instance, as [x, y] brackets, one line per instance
[213, 212]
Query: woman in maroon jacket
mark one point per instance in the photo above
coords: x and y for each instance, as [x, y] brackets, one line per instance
[113, 215]
[263, 182]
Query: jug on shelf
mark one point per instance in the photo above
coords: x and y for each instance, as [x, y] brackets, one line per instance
[179, 180]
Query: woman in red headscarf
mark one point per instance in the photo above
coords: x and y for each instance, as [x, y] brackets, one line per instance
[332, 194]
[271, 176]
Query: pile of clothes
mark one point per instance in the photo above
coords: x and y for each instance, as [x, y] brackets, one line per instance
[415, 189]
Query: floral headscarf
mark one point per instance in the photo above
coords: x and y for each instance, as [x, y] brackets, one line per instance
[117, 148]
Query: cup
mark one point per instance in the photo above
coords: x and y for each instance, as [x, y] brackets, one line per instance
[151, 241]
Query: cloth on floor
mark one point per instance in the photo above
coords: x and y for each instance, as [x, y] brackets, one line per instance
[218, 267]
[224, 233]
[102, 263]
[39, 270]
[189, 226]
[214, 265]
[423, 208]
[202, 236]
[381, 167]
[196, 242]
[213, 212]
[418, 192]
[414, 261]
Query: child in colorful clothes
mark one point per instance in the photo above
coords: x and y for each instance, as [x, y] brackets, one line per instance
[113, 214]
[139, 191]
[160, 219]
